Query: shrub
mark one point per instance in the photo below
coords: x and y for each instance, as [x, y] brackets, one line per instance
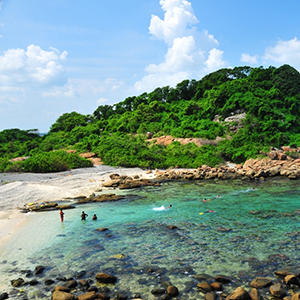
[57, 161]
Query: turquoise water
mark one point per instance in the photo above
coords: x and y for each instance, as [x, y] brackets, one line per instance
[250, 233]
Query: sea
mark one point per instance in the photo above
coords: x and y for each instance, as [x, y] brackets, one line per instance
[244, 229]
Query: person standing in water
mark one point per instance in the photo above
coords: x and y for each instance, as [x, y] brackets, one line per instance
[94, 217]
[61, 213]
[83, 216]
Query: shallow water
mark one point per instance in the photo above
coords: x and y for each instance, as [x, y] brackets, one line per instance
[249, 233]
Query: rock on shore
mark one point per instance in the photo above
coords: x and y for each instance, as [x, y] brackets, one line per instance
[277, 163]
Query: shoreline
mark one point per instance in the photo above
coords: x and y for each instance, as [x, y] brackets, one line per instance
[17, 189]
[11, 220]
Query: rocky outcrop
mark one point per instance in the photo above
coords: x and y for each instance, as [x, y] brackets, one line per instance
[127, 182]
[276, 163]
[102, 198]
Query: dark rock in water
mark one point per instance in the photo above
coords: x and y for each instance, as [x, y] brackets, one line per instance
[172, 227]
[39, 269]
[3, 296]
[80, 274]
[18, 282]
[158, 291]
[223, 279]
[165, 297]
[204, 277]
[92, 288]
[49, 282]
[106, 278]
[223, 229]
[61, 278]
[33, 282]
[122, 296]
[28, 273]
[87, 296]
[255, 294]
[291, 279]
[260, 282]
[211, 296]
[239, 294]
[102, 229]
[254, 212]
[204, 287]
[84, 284]
[216, 286]
[61, 289]
[285, 272]
[275, 258]
[277, 290]
[71, 284]
[172, 291]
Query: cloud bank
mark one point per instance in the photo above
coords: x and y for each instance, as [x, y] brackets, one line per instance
[283, 52]
[32, 66]
[190, 53]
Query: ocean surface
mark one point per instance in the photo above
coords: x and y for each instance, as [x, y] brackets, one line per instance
[251, 230]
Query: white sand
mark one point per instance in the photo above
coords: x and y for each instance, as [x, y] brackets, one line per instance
[19, 189]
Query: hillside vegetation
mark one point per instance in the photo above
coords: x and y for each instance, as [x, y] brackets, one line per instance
[265, 102]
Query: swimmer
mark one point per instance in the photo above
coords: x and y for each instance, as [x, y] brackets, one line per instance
[61, 213]
[94, 217]
[83, 216]
[168, 207]
[217, 196]
[210, 211]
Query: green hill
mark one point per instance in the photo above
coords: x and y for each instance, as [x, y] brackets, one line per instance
[249, 109]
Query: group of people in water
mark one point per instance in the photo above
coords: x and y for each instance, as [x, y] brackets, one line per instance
[83, 216]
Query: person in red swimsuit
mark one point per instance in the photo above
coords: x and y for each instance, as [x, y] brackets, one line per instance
[61, 213]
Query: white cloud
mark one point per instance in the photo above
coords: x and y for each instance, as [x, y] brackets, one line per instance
[191, 53]
[284, 52]
[178, 20]
[215, 60]
[247, 58]
[32, 66]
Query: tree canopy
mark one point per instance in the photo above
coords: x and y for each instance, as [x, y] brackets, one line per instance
[268, 98]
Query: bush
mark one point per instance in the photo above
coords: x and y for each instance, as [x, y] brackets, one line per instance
[57, 161]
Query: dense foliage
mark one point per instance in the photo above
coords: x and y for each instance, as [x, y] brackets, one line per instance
[268, 97]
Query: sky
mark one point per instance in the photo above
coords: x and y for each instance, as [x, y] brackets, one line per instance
[60, 56]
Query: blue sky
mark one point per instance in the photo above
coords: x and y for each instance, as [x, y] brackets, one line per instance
[59, 56]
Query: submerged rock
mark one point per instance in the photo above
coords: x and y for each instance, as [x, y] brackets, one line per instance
[106, 278]
[260, 282]
[239, 294]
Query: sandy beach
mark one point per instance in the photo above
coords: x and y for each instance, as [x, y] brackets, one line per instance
[17, 189]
